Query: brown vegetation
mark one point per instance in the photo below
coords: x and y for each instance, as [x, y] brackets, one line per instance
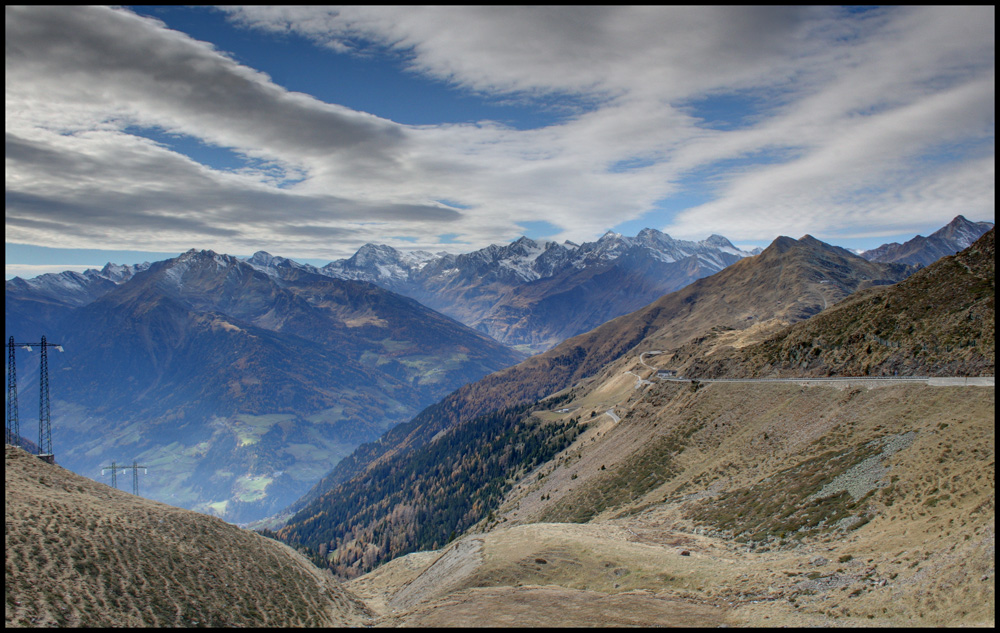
[938, 322]
[779, 505]
[783, 282]
[79, 553]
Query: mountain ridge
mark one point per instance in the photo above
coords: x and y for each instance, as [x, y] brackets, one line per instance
[737, 296]
[753, 504]
[955, 236]
[205, 359]
[515, 292]
[938, 321]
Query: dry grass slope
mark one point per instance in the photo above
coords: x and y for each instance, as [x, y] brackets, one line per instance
[738, 504]
[938, 322]
[865, 503]
[79, 553]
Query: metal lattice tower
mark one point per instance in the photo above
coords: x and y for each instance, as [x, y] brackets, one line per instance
[114, 473]
[114, 468]
[44, 418]
[135, 476]
[13, 429]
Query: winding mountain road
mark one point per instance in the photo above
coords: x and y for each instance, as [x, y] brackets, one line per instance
[945, 381]
[933, 381]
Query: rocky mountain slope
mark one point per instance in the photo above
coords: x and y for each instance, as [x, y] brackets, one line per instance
[736, 504]
[239, 389]
[532, 295]
[922, 251]
[939, 322]
[788, 281]
[45, 300]
[81, 554]
[851, 503]
[630, 500]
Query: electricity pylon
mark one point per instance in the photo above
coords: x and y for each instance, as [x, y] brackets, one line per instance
[44, 417]
[114, 468]
[12, 428]
[135, 476]
[114, 473]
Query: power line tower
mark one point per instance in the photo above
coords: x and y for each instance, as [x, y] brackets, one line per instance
[12, 428]
[114, 473]
[114, 468]
[135, 475]
[44, 416]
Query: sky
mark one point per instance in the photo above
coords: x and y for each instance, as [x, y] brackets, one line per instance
[135, 134]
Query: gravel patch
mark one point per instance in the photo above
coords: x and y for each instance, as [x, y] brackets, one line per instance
[865, 476]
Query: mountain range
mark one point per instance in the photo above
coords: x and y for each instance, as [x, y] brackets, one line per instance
[237, 388]
[532, 295]
[611, 493]
[46, 299]
[280, 369]
[788, 281]
[955, 236]
[583, 484]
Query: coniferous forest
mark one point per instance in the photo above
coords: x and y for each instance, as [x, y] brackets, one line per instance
[421, 500]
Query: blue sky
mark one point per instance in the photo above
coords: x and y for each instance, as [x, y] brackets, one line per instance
[135, 134]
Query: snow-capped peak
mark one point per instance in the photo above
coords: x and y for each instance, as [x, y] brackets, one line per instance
[261, 258]
[961, 231]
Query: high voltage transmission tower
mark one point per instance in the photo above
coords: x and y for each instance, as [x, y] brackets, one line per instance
[114, 473]
[44, 416]
[114, 468]
[12, 428]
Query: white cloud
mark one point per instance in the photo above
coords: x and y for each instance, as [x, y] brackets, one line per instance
[855, 101]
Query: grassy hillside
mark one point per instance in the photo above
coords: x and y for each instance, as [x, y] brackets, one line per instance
[79, 553]
[853, 503]
[940, 321]
[736, 504]
[789, 281]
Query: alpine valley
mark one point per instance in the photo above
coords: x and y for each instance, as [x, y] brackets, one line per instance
[236, 388]
[800, 436]
[590, 483]
[240, 382]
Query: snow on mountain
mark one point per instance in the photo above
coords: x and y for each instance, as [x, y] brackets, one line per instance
[957, 235]
[379, 263]
[961, 232]
[119, 273]
[73, 288]
[523, 260]
[276, 267]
